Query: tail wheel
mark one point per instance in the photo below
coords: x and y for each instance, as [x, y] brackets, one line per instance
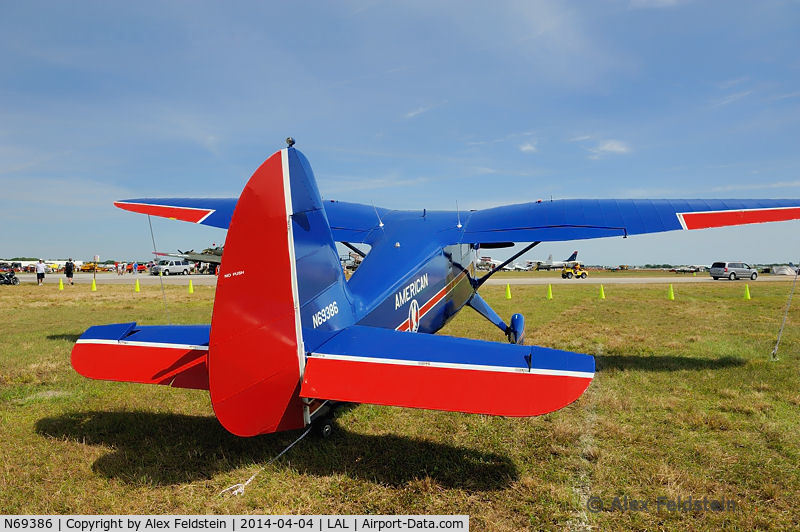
[324, 428]
[732, 276]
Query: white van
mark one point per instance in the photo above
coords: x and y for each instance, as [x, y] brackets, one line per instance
[174, 267]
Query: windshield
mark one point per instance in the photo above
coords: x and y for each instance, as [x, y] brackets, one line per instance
[163, 262]
[718, 265]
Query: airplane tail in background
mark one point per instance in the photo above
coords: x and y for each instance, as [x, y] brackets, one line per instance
[572, 257]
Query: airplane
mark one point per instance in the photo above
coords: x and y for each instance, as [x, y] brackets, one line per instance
[551, 264]
[280, 349]
[211, 256]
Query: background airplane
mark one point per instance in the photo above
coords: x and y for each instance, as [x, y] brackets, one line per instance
[277, 352]
[551, 264]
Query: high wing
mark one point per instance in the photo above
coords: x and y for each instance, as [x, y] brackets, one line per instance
[350, 222]
[585, 218]
[545, 221]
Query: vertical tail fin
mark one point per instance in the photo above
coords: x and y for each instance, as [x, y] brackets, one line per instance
[572, 257]
[256, 352]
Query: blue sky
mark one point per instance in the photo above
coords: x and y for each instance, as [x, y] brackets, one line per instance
[407, 105]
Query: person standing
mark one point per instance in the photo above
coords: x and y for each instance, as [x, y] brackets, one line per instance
[135, 269]
[69, 270]
[40, 269]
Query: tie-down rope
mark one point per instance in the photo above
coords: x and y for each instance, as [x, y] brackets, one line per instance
[238, 489]
[774, 354]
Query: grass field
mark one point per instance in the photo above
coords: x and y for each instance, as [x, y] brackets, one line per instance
[685, 403]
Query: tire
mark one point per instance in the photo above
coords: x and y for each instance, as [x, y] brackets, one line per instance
[15, 281]
[583, 276]
[732, 276]
[716, 278]
[185, 272]
[166, 272]
[324, 428]
[753, 276]
[569, 275]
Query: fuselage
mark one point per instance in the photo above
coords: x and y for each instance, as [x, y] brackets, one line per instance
[408, 281]
[425, 299]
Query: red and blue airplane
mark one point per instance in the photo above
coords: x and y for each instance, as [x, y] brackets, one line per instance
[277, 354]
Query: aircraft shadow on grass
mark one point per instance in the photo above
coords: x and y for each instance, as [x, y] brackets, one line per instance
[72, 338]
[664, 363]
[164, 449]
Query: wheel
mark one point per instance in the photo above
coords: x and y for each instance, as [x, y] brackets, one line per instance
[732, 276]
[716, 278]
[14, 281]
[166, 272]
[563, 276]
[753, 276]
[185, 272]
[324, 428]
[569, 275]
[583, 276]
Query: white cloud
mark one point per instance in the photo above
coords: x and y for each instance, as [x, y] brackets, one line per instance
[418, 111]
[655, 4]
[423, 109]
[727, 84]
[787, 95]
[580, 138]
[529, 147]
[730, 98]
[758, 186]
[338, 184]
[609, 146]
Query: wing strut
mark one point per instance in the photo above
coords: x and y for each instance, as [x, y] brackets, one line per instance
[354, 249]
[479, 282]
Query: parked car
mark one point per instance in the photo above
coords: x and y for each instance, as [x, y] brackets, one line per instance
[139, 268]
[174, 267]
[732, 271]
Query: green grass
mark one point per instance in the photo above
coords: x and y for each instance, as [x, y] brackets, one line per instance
[685, 403]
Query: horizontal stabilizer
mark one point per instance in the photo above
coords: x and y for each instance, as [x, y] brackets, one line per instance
[174, 355]
[381, 366]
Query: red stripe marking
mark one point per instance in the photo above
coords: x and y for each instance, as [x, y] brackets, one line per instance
[704, 220]
[186, 214]
[181, 368]
[438, 296]
[457, 390]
